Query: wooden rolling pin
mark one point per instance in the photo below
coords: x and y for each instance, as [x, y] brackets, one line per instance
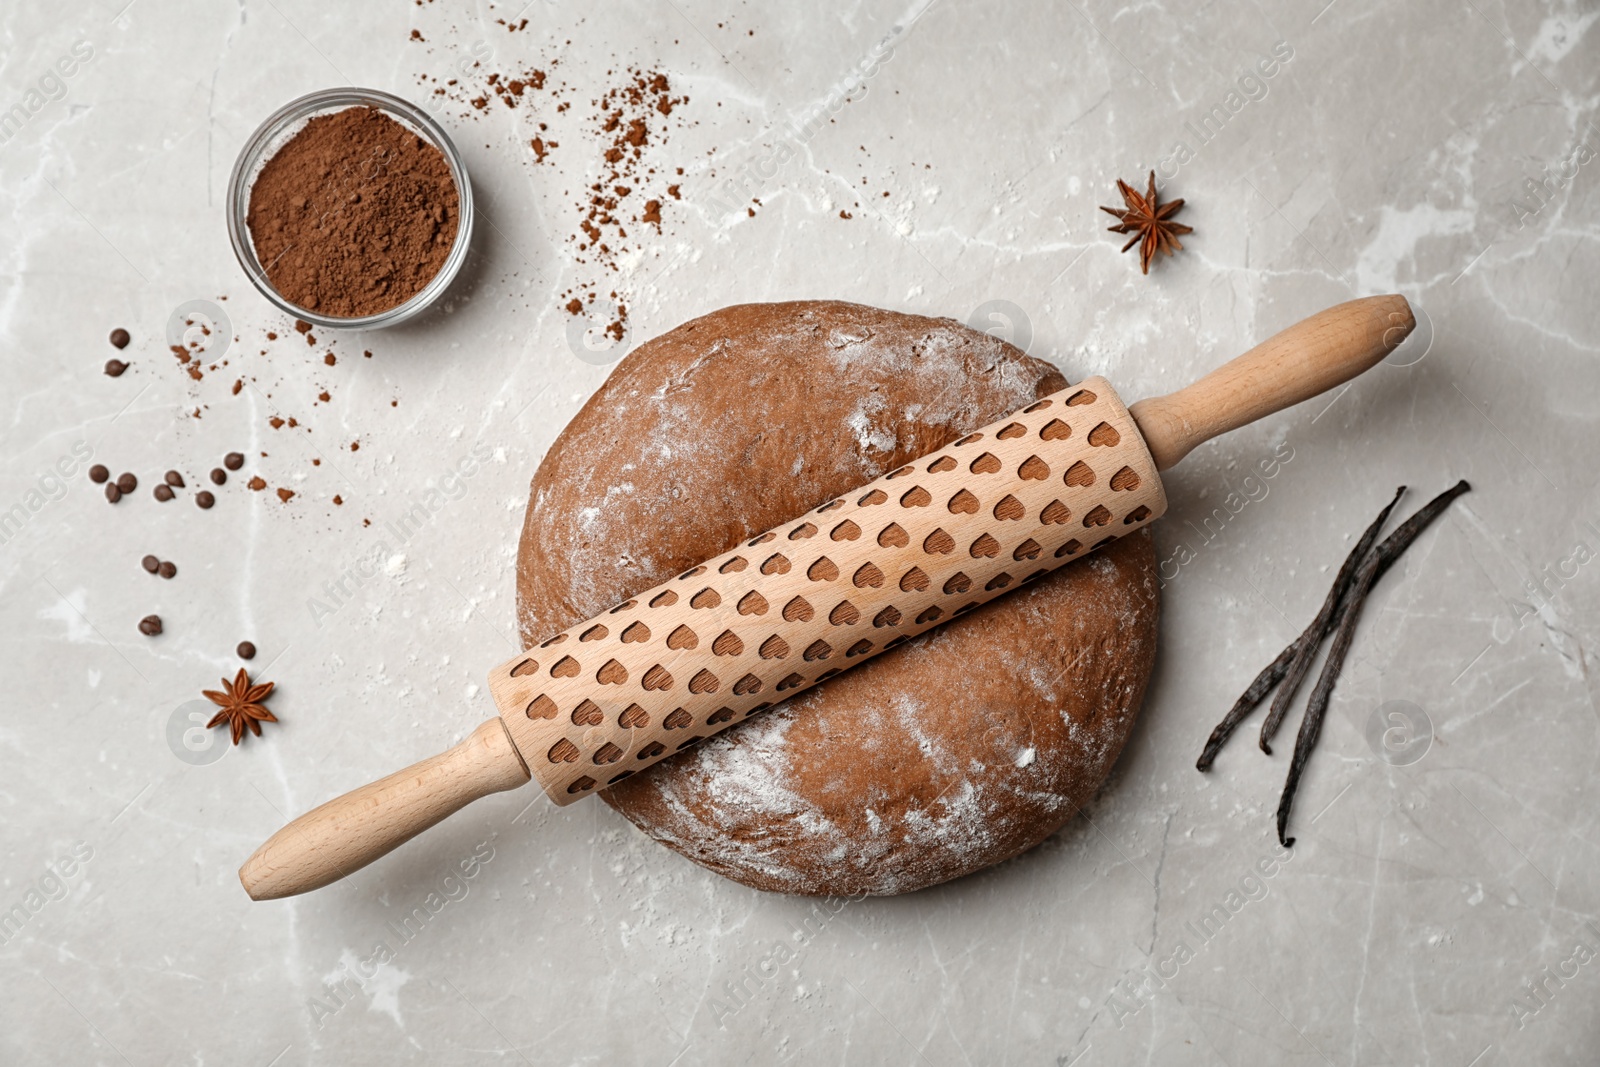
[857, 576]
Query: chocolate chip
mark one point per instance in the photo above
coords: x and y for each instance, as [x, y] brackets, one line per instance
[233, 460]
[150, 625]
[204, 498]
[218, 476]
[115, 367]
[98, 473]
[150, 563]
[127, 482]
[163, 492]
[167, 569]
[120, 338]
[174, 479]
[246, 650]
[113, 494]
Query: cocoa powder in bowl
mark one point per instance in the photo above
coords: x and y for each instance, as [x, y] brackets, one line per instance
[354, 215]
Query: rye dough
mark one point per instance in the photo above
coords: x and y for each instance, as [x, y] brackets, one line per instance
[960, 749]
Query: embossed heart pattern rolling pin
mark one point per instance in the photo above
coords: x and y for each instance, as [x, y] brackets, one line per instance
[855, 577]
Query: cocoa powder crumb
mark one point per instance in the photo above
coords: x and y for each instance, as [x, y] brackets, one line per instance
[354, 215]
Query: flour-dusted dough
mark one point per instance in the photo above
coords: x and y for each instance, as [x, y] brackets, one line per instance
[960, 749]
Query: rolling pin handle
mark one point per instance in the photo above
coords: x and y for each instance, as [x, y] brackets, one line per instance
[1310, 357]
[349, 832]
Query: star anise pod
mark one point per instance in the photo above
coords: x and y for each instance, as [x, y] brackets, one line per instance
[1149, 221]
[241, 705]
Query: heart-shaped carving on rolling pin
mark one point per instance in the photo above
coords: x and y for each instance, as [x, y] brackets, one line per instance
[922, 545]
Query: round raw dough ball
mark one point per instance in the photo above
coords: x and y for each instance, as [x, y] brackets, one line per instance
[961, 748]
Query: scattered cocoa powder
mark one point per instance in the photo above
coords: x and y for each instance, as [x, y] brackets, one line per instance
[354, 215]
[628, 121]
[626, 128]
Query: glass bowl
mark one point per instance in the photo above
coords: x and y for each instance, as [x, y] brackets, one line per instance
[276, 131]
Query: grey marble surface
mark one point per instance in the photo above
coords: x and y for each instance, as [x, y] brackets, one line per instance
[1443, 149]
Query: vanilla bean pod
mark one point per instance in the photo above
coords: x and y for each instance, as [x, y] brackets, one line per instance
[1270, 676]
[1317, 707]
[1305, 646]
[1326, 619]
